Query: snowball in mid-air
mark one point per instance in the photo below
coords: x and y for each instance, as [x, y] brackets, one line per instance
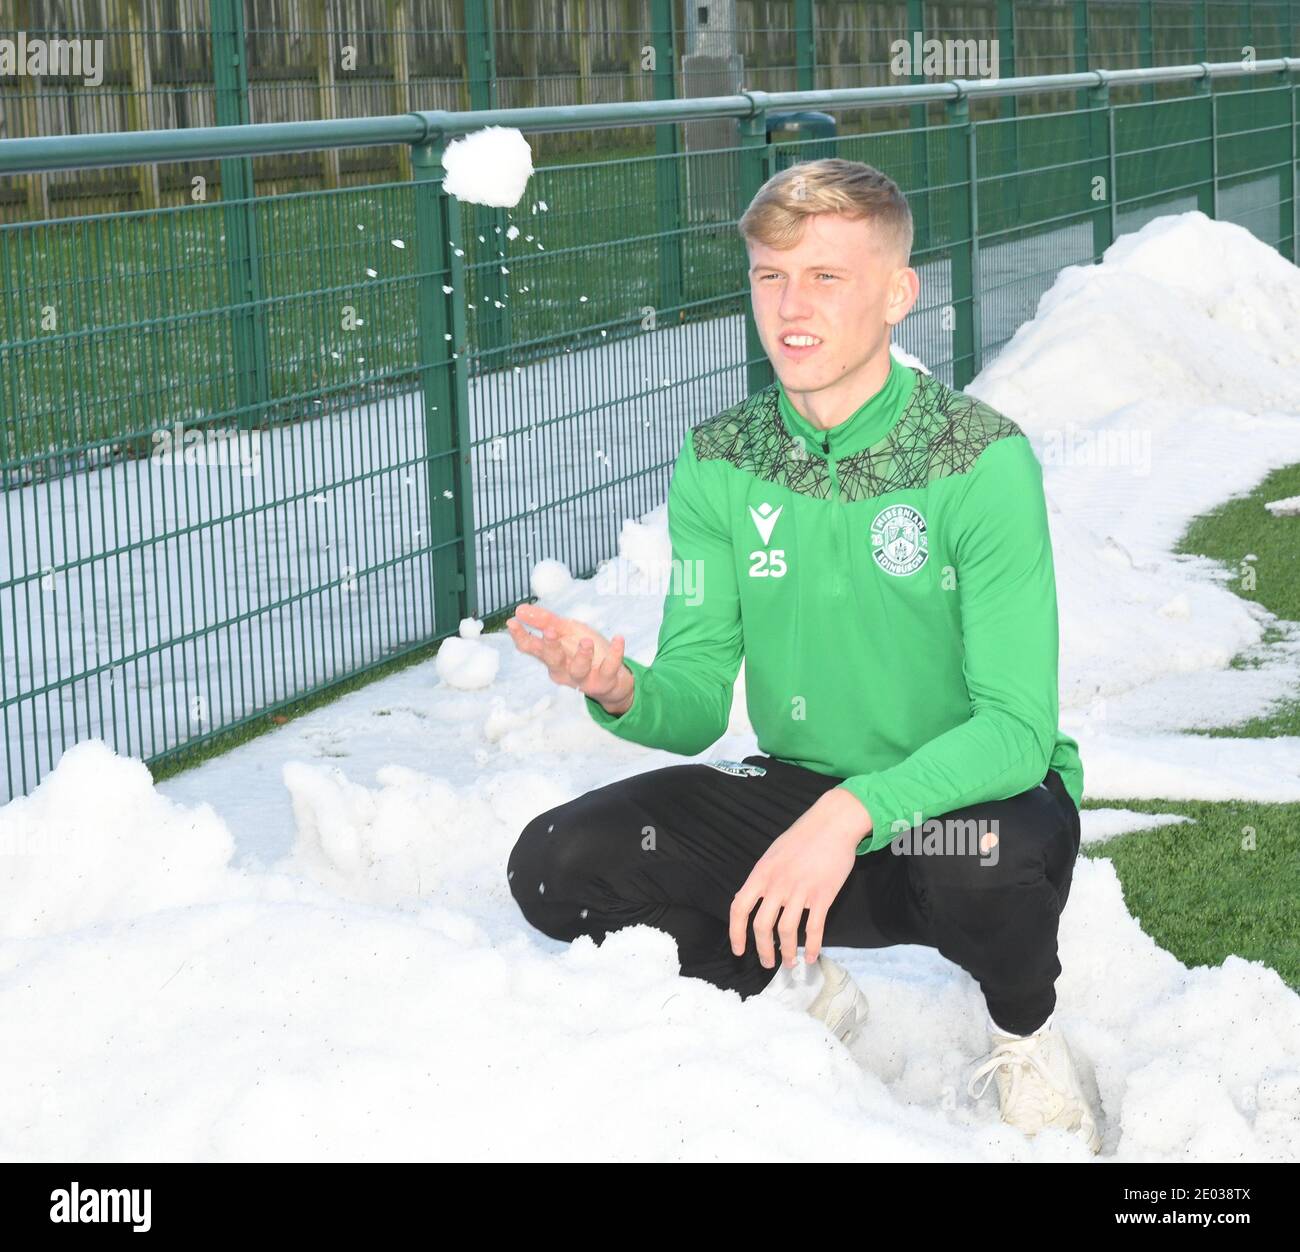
[549, 578]
[490, 166]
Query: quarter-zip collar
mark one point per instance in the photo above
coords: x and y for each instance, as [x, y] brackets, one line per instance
[869, 425]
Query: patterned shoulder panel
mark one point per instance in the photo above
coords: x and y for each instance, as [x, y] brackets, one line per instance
[941, 432]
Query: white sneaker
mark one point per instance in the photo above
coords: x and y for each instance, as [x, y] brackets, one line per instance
[840, 1004]
[1037, 1085]
[823, 990]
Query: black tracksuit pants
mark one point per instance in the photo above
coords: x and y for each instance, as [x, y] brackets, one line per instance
[671, 847]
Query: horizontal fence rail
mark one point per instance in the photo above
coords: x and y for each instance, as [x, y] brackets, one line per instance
[253, 447]
[145, 66]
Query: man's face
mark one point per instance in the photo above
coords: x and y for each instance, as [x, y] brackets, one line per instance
[838, 285]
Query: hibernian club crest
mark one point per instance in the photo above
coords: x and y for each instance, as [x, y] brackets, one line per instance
[898, 540]
[739, 768]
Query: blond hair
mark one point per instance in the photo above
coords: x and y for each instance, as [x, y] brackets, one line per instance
[776, 214]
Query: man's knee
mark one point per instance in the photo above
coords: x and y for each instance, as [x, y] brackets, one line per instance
[558, 852]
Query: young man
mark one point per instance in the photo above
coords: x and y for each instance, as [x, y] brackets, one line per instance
[875, 546]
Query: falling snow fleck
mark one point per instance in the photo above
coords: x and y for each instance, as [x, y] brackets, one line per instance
[372, 273]
[513, 233]
[446, 291]
[398, 243]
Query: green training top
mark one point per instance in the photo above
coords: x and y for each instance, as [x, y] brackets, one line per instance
[890, 585]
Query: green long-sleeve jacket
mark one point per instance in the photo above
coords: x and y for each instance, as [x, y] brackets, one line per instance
[890, 585]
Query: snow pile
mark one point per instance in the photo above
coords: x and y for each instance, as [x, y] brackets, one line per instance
[99, 844]
[1154, 387]
[377, 997]
[1100, 825]
[465, 662]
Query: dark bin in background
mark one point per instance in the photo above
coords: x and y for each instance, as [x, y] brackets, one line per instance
[808, 124]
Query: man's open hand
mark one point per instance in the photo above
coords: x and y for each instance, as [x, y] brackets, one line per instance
[804, 868]
[575, 655]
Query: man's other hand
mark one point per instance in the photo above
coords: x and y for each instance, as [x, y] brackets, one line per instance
[804, 868]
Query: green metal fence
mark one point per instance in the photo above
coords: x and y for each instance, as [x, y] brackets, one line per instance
[253, 447]
[193, 63]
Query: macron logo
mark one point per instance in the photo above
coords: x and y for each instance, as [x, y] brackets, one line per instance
[765, 518]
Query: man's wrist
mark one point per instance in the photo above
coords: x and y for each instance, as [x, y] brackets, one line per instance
[617, 707]
[853, 817]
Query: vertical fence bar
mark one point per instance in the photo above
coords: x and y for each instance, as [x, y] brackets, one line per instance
[918, 121]
[1146, 45]
[1209, 197]
[243, 251]
[444, 391]
[140, 96]
[326, 92]
[1101, 147]
[37, 185]
[805, 45]
[962, 252]
[1295, 172]
[399, 16]
[1081, 51]
[493, 320]
[668, 194]
[755, 169]
[973, 229]
[1009, 148]
[1112, 190]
